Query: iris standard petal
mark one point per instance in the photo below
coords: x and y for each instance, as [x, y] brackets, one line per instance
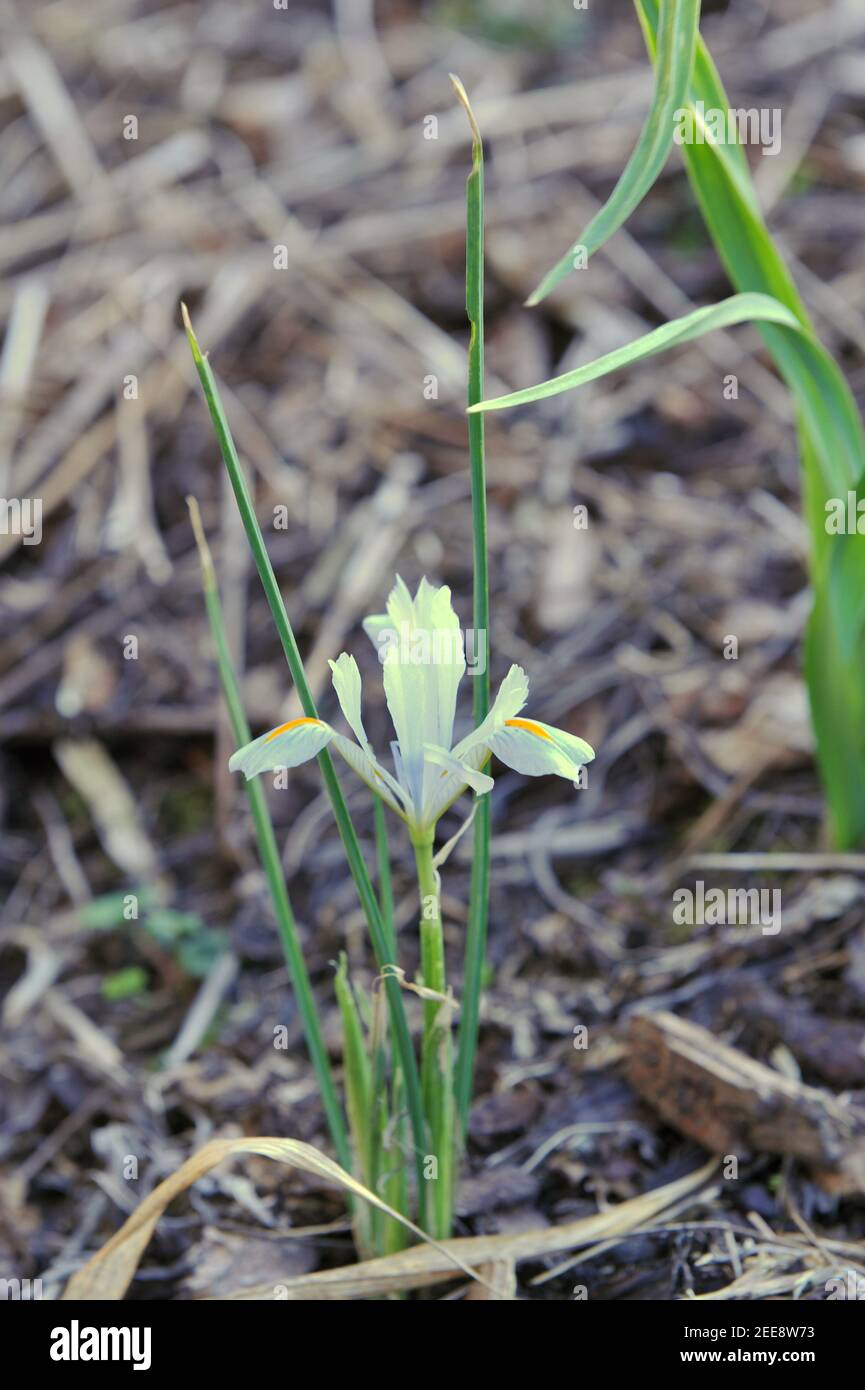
[377, 627]
[448, 778]
[467, 776]
[421, 648]
[435, 618]
[405, 689]
[347, 684]
[512, 695]
[289, 745]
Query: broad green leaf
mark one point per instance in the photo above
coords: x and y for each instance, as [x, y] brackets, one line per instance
[677, 33]
[740, 308]
[831, 439]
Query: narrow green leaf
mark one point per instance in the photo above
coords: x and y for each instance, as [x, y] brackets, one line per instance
[359, 1102]
[739, 308]
[677, 34]
[269, 852]
[479, 892]
[345, 825]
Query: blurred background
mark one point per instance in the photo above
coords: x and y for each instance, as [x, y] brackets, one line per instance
[296, 175]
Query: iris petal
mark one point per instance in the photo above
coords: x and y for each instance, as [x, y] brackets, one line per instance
[372, 772]
[537, 750]
[347, 684]
[512, 695]
[288, 745]
[421, 647]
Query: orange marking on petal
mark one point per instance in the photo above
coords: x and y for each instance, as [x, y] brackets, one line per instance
[530, 727]
[292, 724]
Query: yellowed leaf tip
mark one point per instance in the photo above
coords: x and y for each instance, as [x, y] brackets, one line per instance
[190, 332]
[200, 540]
[462, 95]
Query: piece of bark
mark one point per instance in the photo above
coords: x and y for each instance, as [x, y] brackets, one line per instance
[731, 1104]
[831, 1047]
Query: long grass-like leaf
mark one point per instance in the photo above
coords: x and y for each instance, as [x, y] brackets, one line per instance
[479, 892]
[348, 835]
[677, 33]
[739, 308]
[269, 852]
[359, 1100]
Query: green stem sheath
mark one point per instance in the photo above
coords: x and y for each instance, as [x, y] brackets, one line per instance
[437, 1045]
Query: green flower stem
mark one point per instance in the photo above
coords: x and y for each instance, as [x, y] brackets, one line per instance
[348, 835]
[437, 1046]
[392, 1234]
[385, 884]
[270, 860]
[479, 893]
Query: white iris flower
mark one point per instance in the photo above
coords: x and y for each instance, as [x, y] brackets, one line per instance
[422, 650]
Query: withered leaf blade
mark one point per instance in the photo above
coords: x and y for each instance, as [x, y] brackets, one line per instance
[108, 1274]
